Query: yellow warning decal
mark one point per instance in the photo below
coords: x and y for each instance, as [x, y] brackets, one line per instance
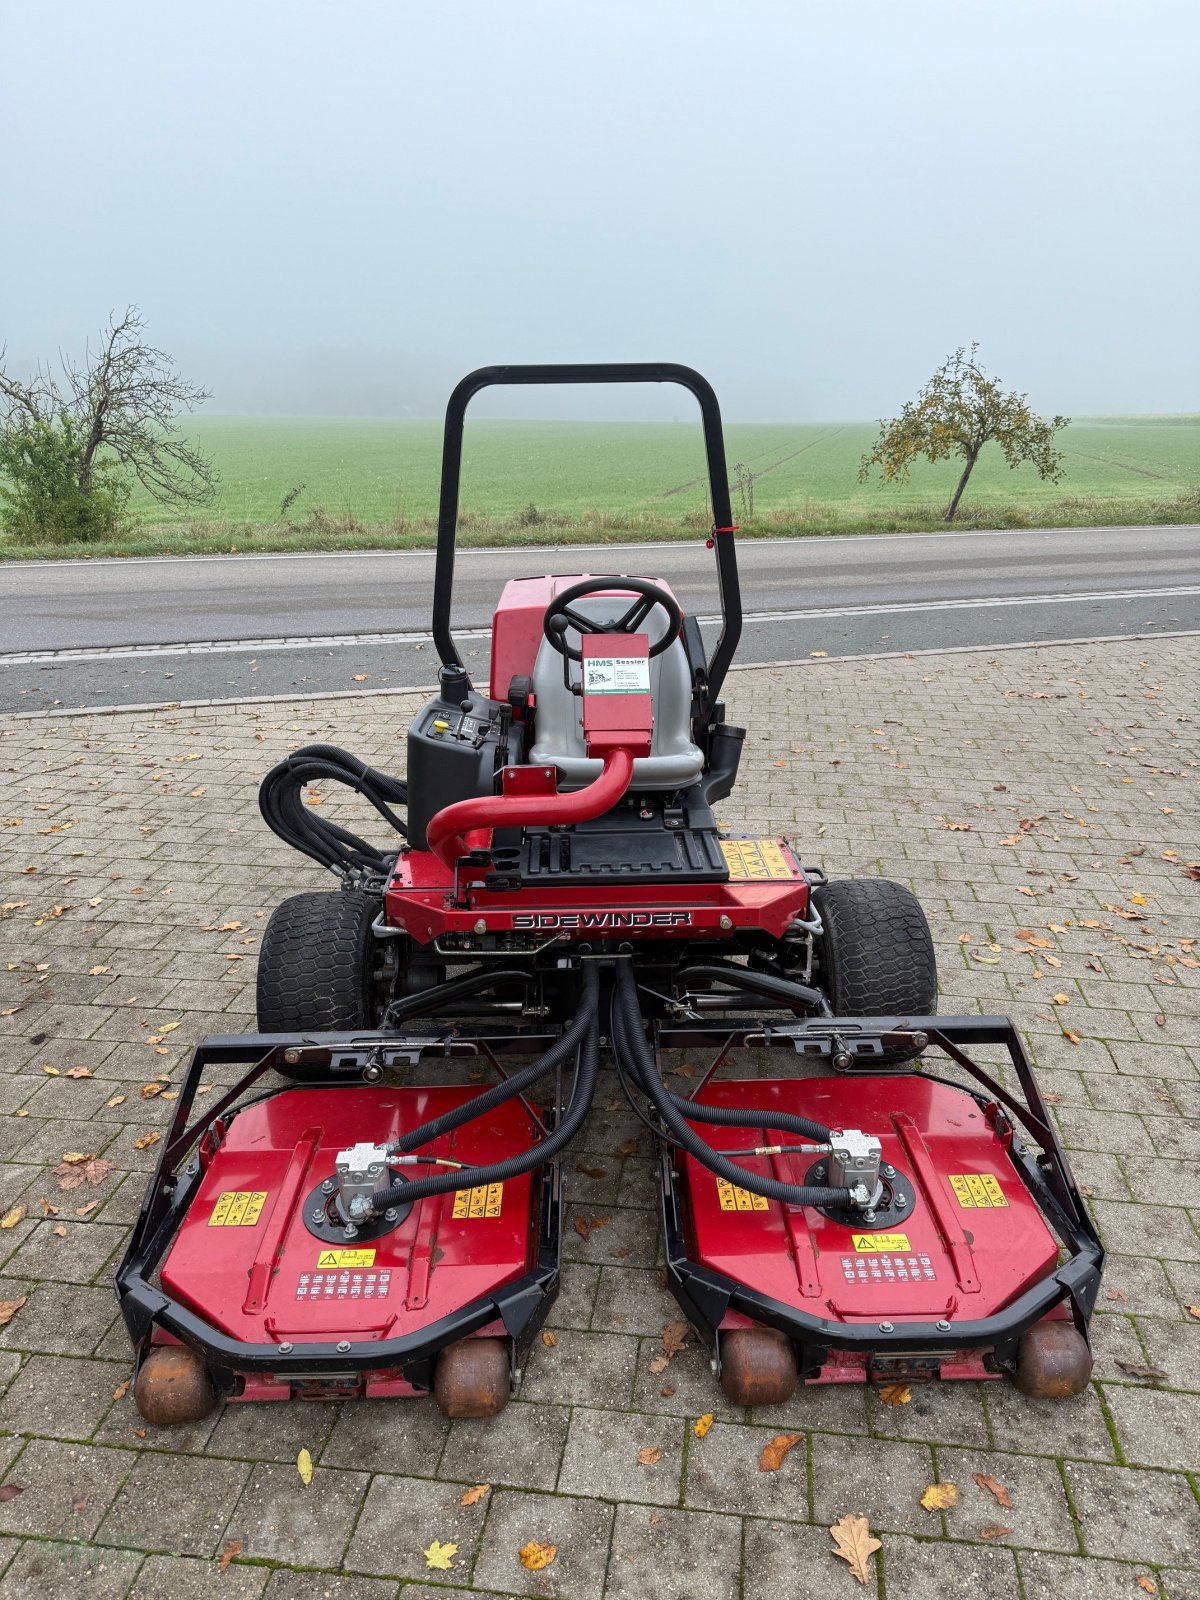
[867, 1243]
[756, 859]
[734, 1199]
[483, 1201]
[237, 1208]
[345, 1258]
[975, 1190]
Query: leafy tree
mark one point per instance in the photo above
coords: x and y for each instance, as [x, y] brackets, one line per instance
[958, 411]
[69, 445]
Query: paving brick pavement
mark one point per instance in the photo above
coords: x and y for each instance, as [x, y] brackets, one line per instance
[1050, 789]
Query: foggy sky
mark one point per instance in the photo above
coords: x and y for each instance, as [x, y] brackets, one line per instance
[338, 209]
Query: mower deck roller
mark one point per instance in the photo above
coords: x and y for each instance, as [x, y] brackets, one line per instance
[362, 1214]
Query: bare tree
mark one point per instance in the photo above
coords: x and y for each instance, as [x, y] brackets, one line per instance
[124, 398]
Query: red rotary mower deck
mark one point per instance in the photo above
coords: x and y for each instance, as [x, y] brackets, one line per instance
[247, 1259]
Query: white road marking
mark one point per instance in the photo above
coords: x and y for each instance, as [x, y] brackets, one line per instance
[337, 641]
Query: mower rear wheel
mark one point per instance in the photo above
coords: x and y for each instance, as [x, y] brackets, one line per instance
[472, 1378]
[1053, 1361]
[758, 1367]
[876, 957]
[172, 1386]
[321, 966]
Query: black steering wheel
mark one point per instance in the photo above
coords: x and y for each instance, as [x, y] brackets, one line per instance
[561, 615]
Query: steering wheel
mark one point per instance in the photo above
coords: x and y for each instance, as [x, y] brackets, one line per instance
[561, 615]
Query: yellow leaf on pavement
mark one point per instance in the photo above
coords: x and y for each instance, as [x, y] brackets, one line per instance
[895, 1394]
[440, 1555]
[304, 1467]
[13, 1216]
[703, 1424]
[855, 1544]
[535, 1555]
[940, 1496]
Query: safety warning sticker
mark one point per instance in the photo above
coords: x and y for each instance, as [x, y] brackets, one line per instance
[237, 1208]
[344, 1285]
[734, 1199]
[864, 1243]
[616, 675]
[975, 1190]
[887, 1268]
[483, 1201]
[329, 1259]
[755, 859]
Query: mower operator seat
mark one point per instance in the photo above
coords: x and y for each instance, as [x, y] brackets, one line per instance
[674, 761]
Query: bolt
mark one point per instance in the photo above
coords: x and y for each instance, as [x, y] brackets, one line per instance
[351, 1230]
[842, 1061]
[391, 1214]
[889, 1172]
[943, 1327]
[886, 1327]
[818, 1172]
[868, 1216]
[726, 922]
[342, 1346]
[328, 1186]
[920, 1040]
[481, 926]
[318, 1215]
[285, 1349]
[373, 1074]
[901, 1199]
[291, 1057]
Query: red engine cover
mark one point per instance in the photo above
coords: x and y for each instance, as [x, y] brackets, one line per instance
[245, 1261]
[974, 1240]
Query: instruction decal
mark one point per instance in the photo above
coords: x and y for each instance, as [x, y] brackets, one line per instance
[237, 1208]
[756, 859]
[867, 1243]
[976, 1190]
[483, 1201]
[327, 1260]
[616, 675]
[344, 1285]
[734, 1199]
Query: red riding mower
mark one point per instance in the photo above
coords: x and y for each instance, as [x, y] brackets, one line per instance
[560, 880]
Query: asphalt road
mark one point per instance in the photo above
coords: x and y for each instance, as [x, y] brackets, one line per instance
[82, 633]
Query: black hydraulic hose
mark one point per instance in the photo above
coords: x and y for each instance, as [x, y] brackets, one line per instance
[791, 1194]
[426, 1001]
[586, 1033]
[283, 810]
[721, 1116]
[559, 1052]
[764, 983]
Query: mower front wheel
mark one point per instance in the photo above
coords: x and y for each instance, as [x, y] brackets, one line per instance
[322, 968]
[472, 1378]
[875, 957]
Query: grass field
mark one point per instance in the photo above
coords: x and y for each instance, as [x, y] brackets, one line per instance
[374, 483]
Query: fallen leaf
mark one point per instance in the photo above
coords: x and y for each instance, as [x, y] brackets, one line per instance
[13, 1216]
[1194, 1311]
[649, 1455]
[674, 1335]
[60, 1232]
[9, 1309]
[304, 1466]
[535, 1555]
[1136, 1370]
[660, 1364]
[994, 1488]
[96, 972]
[117, 1100]
[994, 1530]
[232, 1549]
[81, 1211]
[1062, 999]
[549, 1339]
[360, 677]
[855, 1544]
[146, 1141]
[51, 1072]
[80, 1504]
[895, 1394]
[76, 1169]
[10, 1491]
[773, 1455]
[121, 1390]
[149, 1090]
[703, 1424]
[629, 1148]
[79, 1072]
[471, 1497]
[585, 1227]
[1147, 1585]
[1071, 1037]
[440, 1555]
[592, 1172]
[940, 1496]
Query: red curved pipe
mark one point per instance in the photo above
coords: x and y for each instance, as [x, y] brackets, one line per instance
[444, 833]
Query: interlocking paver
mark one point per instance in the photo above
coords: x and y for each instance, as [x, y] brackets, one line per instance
[999, 739]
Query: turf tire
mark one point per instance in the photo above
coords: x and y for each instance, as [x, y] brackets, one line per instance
[316, 969]
[876, 956]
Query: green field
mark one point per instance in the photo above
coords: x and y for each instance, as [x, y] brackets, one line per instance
[374, 482]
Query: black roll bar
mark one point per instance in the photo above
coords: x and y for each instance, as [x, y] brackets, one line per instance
[605, 372]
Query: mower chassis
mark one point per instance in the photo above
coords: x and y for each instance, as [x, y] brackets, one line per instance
[325, 1060]
[708, 1296]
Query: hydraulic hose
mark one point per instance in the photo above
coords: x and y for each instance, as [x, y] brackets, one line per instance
[791, 994]
[335, 847]
[427, 1001]
[720, 1116]
[583, 1033]
[646, 1070]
